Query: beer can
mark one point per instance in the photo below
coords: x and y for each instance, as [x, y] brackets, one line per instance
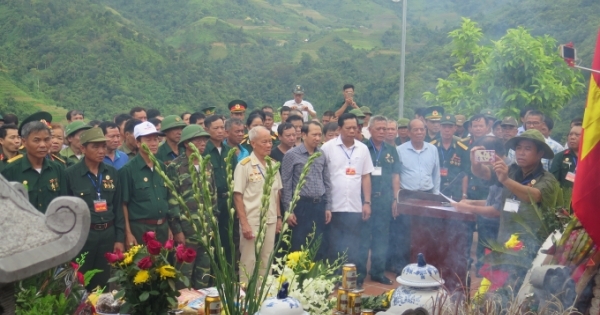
[349, 276]
[367, 312]
[354, 302]
[342, 301]
[212, 305]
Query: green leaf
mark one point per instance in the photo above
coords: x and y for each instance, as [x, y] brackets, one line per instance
[154, 292]
[120, 294]
[144, 296]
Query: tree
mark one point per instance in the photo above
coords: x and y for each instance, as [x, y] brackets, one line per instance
[517, 71]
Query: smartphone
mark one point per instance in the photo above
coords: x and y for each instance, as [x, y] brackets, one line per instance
[485, 156]
[568, 52]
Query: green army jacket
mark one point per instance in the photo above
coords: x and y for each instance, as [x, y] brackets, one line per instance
[386, 158]
[217, 160]
[42, 186]
[563, 163]
[106, 186]
[179, 173]
[145, 192]
[166, 155]
[70, 156]
[453, 161]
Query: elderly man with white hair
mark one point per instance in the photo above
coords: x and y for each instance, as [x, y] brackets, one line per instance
[249, 178]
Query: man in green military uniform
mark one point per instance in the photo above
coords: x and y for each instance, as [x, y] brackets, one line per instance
[179, 173]
[433, 115]
[43, 179]
[348, 103]
[217, 151]
[144, 193]
[10, 142]
[98, 185]
[402, 131]
[454, 161]
[564, 164]
[375, 231]
[129, 145]
[237, 109]
[73, 133]
[172, 126]
[478, 188]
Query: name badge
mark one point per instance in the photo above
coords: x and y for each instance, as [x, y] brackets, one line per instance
[376, 171]
[570, 177]
[350, 171]
[100, 205]
[511, 205]
[443, 171]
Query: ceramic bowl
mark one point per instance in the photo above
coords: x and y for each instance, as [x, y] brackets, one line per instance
[420, 275]
[287, 306]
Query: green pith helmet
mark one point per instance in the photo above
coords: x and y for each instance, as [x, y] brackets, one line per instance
[359, 114]
[75, 126]
[403, 122]
[192, 131]
[535, 136]
[366, 110]
[172, 121]
[92, 135]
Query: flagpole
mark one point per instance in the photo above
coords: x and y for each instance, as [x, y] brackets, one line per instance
[402, 59]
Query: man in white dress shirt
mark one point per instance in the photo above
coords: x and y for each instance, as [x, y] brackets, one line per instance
[303, 106]
[350, 168]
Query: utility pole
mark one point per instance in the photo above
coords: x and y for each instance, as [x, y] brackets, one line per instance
[402, 59]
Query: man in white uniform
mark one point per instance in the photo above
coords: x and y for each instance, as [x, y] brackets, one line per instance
[298, 103]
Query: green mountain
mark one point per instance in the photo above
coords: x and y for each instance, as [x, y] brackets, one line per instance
[105, 56]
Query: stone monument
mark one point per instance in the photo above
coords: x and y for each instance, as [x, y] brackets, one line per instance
[31, 242]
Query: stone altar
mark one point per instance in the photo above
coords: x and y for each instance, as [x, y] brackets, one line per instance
[31, 241]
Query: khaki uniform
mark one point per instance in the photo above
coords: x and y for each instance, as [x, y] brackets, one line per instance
[125, 149]
[42, 187]
[71, 157]
[249, 181]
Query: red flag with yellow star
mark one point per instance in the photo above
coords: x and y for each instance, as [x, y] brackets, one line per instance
[587, 184]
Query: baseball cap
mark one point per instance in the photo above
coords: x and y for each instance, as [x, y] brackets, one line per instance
[145, 129]
[448, 120]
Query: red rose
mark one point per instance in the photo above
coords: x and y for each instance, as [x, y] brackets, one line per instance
[154, 247]
[148, 236]
[169, 244]
[80, 278]
[145, 263]
[114, 257]
[183, 254]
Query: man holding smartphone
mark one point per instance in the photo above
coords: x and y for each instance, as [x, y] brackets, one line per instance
[348, 104]
[298, 103]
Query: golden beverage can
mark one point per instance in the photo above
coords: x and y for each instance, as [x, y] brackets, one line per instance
[212, 305]
[367, 312]
[349, 276]
[342, 300]
[354, 302]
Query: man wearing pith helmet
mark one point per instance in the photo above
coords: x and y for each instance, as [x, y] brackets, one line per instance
[179, 173]
[237, 109]
[98, 185]
[172, 126]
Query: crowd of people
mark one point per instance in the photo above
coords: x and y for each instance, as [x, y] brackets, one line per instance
[493, 167]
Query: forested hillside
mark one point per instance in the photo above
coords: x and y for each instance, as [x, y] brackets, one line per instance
[103, 56]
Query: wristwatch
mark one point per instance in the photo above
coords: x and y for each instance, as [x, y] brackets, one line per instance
[366, 203]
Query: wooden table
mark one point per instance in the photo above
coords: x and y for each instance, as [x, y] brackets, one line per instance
[441, 234]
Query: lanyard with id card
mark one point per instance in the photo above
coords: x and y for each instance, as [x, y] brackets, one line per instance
[100, 204]
[377, 168]
[571, 175]
[444, 169]
[350, 170]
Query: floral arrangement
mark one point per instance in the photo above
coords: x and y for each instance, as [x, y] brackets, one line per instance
[205, 224]
[310, 281]
[146, 278]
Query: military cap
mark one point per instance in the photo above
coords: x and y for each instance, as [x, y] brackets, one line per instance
[359, 114]
[298, 89]
[488, 113]
[44, 117]
[192, 131]
[448, 120]
[92, 135]
[434, 113]
[171, 122]
[366, 110]
[535, 136]
[509, 121]
[76, 126]
[208, 111]
[237, 106]
[403, 123]
[460, 119]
